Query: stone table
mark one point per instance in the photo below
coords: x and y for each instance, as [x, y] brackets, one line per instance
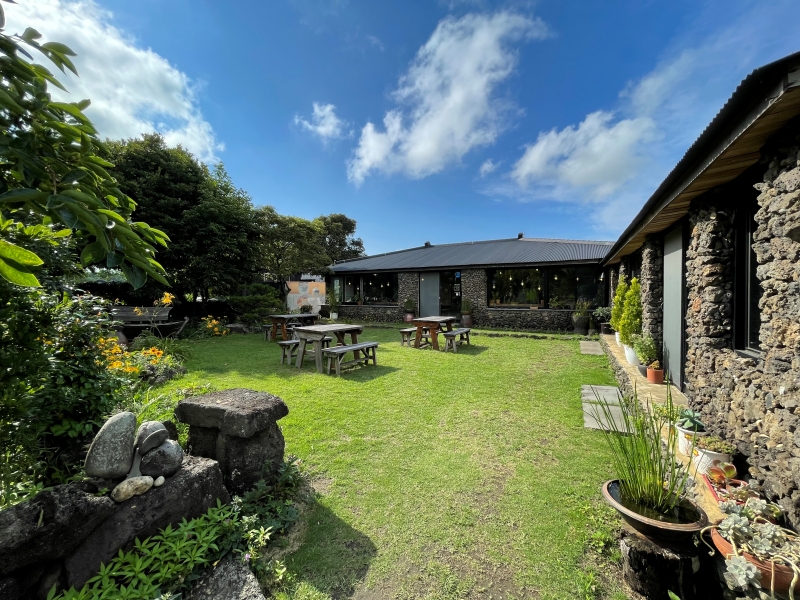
[239, 429]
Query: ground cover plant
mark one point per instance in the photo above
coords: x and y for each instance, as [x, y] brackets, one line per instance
[464, 475]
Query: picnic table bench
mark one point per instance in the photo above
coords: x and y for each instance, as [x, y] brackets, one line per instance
[283, 323]
[337, 353]
[289, 348]
[139, 318]
[312, 336]
[453, 339]
[408, 332]
[434, 325]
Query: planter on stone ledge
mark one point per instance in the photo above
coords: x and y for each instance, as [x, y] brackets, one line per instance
[686, 519]
[581, 324]
[630, 356]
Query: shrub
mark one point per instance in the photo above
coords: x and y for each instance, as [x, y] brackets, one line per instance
[630, 323]
[255, 303]
[602, 314]
[645, 348]
[618, 305]
[170, 346]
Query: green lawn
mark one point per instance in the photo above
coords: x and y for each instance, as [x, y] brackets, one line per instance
[438, 475]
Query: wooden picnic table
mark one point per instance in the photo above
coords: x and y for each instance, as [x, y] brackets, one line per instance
[434, 326]
[282, 320]
[316, 333]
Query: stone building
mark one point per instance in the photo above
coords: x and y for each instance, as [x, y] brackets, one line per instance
[519, 283]
[717, 249]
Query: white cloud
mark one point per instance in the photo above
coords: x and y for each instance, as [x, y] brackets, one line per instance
[616, 158]
[487, 167]
[599, 154]
[324, 122]
[133, 90]
[447, 106]
[375, 41]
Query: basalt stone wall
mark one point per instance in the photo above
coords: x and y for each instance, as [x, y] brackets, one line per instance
[751, 401]
[408, 287]
[652, 281]
[371, 314]
[473, 287]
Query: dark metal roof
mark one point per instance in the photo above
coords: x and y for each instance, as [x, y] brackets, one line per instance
[517, 251]
[753, 90]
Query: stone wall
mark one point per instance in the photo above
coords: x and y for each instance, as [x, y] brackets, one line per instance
[652, 281]
[751, 401]
[473, 287]
[371, 314]
[408, 287]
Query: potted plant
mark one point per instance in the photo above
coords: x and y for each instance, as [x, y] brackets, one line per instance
[408, 310]
[759, 554]
[708, 449]
[650, 489]
[655, 374]
[689, 426]
[618, 305]
[721, 481]
[495, 298]
[333, 304]
[581, 317]
[645, 348]
[357, 298]
[466, 312]
[630, 323]
[602, 315]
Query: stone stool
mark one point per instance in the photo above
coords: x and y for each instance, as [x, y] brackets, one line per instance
[239, 429]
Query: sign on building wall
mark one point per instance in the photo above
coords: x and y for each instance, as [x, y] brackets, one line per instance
[306, 292]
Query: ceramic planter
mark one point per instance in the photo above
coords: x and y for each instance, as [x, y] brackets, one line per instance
[703, 459]
[732, 483]
[605, 329]
[682, 529]
[616, 337]
[685, 437]
[334, 315]
[581, 324]
[783, 573]
[630, 356]
[655, 375]
[408, 317]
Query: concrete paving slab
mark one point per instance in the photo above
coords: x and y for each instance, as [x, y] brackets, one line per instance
[593, 348]
[609, 393]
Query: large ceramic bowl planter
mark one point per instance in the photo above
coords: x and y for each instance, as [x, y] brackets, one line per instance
[466, 320]
[783, 573]
[687, 520]
[686, 439]
[606, 329]
[630, 356]
[702, 459]
[581, 324]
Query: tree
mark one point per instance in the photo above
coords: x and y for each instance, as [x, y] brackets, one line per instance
[630, 323]
[53, 178]
[289, 245]
[337, 237]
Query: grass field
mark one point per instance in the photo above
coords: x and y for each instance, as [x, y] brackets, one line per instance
[439, 475]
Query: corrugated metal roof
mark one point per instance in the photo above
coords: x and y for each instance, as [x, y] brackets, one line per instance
[517, 251]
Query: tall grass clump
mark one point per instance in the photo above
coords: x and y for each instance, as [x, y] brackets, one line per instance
[648, 470]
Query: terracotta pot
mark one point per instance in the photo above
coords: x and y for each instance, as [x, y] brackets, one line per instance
[734, 483]
[655, 375]
[653, 527]
[783, 573]
[408, 317]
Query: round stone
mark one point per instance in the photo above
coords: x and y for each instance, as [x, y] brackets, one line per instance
[111, 454]
[151, 434]
[164, 460]
[159, 482]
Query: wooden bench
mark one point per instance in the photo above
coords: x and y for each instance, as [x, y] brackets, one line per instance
[289, 348]
[289, 331]
[337, 354]
[453, 339]
[407, 336]
[155, 318]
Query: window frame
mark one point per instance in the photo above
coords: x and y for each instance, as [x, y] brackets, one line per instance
[745, 281]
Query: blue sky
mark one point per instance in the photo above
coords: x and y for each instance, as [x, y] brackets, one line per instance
[441, 121]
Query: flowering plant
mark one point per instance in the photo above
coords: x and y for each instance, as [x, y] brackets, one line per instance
[212, 327]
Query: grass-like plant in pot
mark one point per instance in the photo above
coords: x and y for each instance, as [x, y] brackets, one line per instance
[466, 312]
[650, 489]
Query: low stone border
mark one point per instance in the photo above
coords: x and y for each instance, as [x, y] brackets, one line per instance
[626, 386]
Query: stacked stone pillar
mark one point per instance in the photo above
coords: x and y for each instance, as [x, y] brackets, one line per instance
[652, 282]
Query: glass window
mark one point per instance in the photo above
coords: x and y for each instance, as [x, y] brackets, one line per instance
[450, 292]
[563, 287]
[351, 290]
[590, 285]
[380, 288]
[516, 287]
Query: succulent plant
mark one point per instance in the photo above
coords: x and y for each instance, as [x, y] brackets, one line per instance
[721, 473]
[713, 443]
[735, 528]
[689, 419]
[768, 538]
[740, 574]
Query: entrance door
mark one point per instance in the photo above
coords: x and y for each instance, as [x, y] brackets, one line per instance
[673, 305]
[428, 294]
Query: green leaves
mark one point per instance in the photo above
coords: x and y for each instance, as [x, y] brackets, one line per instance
[16, 264]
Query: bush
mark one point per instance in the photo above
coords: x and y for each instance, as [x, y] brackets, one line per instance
[618, 304]
[630, 323]
[645, 348]
[170, 346]
[255, 303]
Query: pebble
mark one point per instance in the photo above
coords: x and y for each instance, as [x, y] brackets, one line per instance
[151, 435]
[159, 482]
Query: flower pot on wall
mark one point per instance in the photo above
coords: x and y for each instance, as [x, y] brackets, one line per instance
[686, 439]
[703, 459]
[655, 375]
[616, 337]
[630, 356]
